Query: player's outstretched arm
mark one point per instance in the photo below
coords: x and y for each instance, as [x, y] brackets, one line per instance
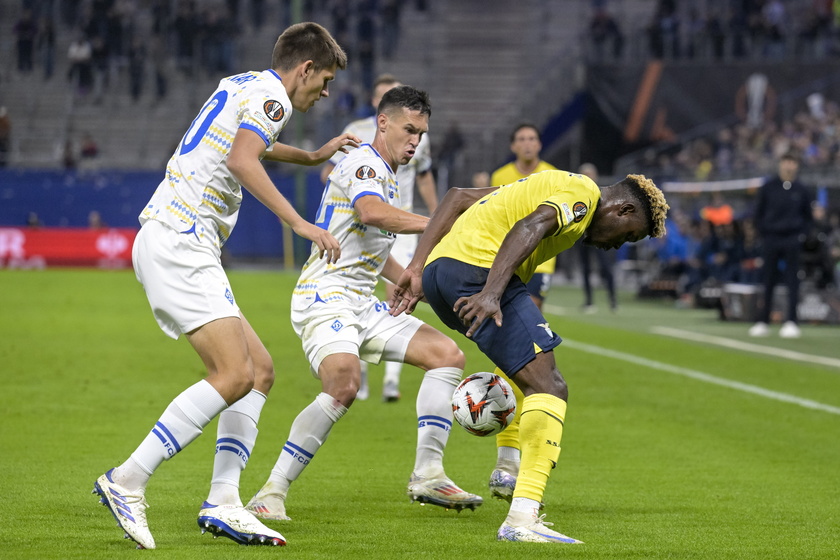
[409, 288]
[243, 161]
[518, 244]
[291, 154]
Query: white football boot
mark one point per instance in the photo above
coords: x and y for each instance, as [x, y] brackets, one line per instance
[237, 524]
[441, 491]
[128, 508]
[269, 503]
[527, 527]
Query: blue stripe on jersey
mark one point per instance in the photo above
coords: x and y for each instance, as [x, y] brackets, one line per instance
[292, 447]
[367, 193]
[169, 435]
[234, 442]
[262, 134]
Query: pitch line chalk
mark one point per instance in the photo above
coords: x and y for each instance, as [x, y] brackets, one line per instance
[700, 376]
[746, 346]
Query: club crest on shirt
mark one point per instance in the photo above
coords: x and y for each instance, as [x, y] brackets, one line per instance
[274, 110]
[580, 210]
[365, 172]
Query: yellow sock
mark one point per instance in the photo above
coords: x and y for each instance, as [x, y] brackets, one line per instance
[540, 431]
[509, 437]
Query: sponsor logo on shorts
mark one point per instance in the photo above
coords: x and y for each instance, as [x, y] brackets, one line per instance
[337, 326]
[274, 110]
[229, 295]
[580, 210]
[547, 329]
[365, 172]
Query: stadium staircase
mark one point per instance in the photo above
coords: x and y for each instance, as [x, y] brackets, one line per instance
[486, 66]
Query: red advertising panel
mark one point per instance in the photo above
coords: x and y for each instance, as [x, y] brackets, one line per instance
[43, 247]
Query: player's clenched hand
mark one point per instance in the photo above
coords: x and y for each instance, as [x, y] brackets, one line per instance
[407, 292]
[338, 144]
[327, 244]
[473, 310]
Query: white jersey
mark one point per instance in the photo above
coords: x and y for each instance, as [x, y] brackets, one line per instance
[199, 195]
[364, 249]
[365, 129]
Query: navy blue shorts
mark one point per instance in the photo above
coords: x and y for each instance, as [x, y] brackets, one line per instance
[538, 285]
[511, 346]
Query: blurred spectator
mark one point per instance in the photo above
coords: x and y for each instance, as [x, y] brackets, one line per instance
[389, 11]
[782, 218]
[159, 57]
[26, 30]
[664, 31]
[33, 221]
[88, 149]
[605, 35]
[5, 136]
[450, 150]
[95, 220]
[99, 68]
[751, 262]
[718, 212]
[136, 68]
[46, 46]
[79, 55]
[480, 180]
[816, 252]
[68, 157]
[365, 40]
[185, 27]
[603, 259]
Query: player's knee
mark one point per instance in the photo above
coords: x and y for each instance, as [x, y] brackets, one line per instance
[556, 385]
[264, 377]
[551, 383]
[446, 354]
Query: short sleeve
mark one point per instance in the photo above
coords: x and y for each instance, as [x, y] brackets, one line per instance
[265, 114]
[364, 179]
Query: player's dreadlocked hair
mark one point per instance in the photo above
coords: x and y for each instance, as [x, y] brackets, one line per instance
[651, 199]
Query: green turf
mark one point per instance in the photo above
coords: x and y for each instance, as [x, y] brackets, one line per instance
[654, 464]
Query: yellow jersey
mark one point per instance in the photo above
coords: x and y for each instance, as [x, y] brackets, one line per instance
[477, 235]
[508, 174]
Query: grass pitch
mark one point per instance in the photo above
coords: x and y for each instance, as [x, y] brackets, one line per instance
[673, 448]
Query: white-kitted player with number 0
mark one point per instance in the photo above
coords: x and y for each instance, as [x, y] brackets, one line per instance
[340, 320]
[177, 258]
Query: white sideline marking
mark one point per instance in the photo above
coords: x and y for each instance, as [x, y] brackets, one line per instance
[700, 376]
[738, 345]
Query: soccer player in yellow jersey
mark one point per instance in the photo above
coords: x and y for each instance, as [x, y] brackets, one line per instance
[472, 264]
[526, 145]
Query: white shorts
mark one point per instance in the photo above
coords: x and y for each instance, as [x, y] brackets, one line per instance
[363, 328]
[183, 279]
[404, 247]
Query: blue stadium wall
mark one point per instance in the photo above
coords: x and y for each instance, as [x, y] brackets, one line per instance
[66, 198]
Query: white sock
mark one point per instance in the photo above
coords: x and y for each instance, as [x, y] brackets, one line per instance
[392, 372]
[309, 432]
[524, 505]
[434, 418]
[508, 458]
[181, 422]
[237, 434]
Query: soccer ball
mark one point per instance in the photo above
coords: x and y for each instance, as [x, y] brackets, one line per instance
[484, 404]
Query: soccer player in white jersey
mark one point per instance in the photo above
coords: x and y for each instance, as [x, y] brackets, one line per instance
[417, 172]
[340, 320]
[176, 257]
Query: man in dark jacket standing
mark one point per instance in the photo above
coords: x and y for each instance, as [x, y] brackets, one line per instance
[782, 218]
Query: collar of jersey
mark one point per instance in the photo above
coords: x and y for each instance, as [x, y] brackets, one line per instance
[379, 156]
[276, 74]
